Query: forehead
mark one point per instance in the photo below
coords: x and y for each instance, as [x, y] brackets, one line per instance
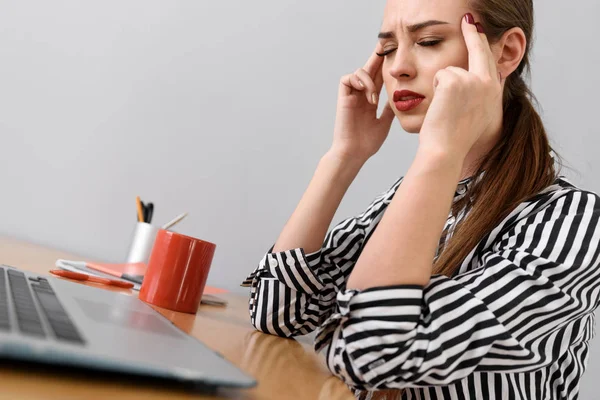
[398, 13]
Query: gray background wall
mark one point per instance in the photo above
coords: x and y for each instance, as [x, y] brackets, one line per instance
[221, 109]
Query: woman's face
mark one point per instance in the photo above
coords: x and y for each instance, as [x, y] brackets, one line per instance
[419, 37]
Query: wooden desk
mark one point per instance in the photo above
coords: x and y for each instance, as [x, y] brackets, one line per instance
[284, 368]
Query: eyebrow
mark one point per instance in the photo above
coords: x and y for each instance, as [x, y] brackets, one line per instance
[412, 28]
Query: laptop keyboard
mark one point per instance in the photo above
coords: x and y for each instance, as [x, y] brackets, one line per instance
[27, 315]
[4, 321]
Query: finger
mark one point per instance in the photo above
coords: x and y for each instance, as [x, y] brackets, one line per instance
[359, 83]
[378, 80]
[349, 84]
[440, 76]
[458, 71]
[345, 86]
[488, 50]
[371, 91]
[444, 77]
[373, 64]
[478, 58]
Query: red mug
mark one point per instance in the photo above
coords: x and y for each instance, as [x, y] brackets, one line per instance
[177, 272]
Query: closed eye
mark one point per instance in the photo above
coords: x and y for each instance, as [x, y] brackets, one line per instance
[386, 52]
[429, 43]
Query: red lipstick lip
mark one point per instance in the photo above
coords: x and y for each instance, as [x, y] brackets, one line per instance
[407, 105]
[398, 94]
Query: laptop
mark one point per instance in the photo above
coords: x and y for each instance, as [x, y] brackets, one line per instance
[53, 321]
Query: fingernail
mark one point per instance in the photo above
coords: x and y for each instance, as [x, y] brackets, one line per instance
[374, 98]
[469, 18]
[479, 28]
[361, 84]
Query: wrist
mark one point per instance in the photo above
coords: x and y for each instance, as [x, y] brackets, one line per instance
[429, 159]
[440, 155]
[344, 160]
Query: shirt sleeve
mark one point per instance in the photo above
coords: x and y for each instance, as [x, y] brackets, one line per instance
[530, 295]
[292, 293]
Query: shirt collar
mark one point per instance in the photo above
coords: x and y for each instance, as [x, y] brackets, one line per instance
[467, 183]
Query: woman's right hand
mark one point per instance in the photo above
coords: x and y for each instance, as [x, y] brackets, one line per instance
[358, 132]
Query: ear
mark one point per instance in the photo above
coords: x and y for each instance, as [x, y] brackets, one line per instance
[510, 50]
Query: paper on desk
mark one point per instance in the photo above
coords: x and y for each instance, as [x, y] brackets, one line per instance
[80, 266]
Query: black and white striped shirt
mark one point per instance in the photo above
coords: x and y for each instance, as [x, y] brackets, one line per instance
[514, 322]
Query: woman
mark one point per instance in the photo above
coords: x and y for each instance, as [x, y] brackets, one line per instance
[475, 276]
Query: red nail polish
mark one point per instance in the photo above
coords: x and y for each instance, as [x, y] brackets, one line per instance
[479, 28]
[469, 18]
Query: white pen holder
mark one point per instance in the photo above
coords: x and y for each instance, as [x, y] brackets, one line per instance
[142, 242]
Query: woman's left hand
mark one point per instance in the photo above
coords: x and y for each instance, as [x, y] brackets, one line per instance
[466, 104]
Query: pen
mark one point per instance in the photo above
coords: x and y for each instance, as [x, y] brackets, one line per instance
[174, 221]
[145, 211]
[85, 277]
[135, 275]
[150, 210]
[139, 209]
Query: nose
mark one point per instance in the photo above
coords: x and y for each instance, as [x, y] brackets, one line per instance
[403, 66]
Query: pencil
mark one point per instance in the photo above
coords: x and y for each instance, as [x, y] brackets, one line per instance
[174, 221]
[139, 209]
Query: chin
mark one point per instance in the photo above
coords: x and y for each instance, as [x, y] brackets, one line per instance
[410, 123]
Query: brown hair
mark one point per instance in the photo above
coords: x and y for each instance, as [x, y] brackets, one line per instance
[519, 166]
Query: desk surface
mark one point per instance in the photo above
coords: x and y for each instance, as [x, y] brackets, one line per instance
[284, 368]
